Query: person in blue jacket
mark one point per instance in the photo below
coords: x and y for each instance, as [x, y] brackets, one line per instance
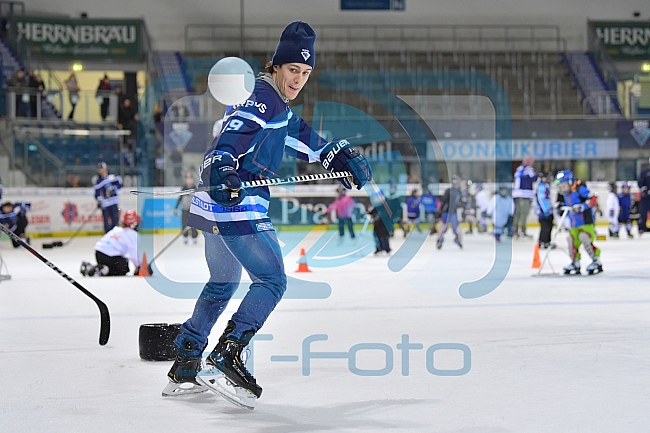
[14, 217]
[431, 206]
[413, 211]
[544, 209]
[625, 204]
[238, 232]
[106, 188]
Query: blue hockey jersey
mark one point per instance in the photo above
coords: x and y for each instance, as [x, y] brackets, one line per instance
[106, 189]
[579, 194]
[10, 219]
[257, 133]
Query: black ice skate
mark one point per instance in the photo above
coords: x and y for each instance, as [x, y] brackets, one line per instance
[439, 242]
[182, 376]
[573, 268]
[85, 267]
[226, 374]
[596, 267]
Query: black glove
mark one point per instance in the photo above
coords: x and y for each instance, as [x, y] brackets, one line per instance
[223, 172]
[99, 205]
[340, 156]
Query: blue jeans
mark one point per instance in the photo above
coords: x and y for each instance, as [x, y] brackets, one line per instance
[111, 217]
[261, 256]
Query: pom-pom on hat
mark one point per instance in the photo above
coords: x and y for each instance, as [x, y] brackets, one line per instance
[296, 45]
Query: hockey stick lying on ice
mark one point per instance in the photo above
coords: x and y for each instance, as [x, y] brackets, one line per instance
[255, 183]
[105, 327]
[74, 235]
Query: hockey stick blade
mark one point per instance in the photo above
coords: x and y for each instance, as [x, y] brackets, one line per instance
[105, 318]
[254, 183]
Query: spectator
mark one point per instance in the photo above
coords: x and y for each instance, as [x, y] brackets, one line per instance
[644, 205]
[523, 194]
[20, 84]
[179, 110]
[38, 89]
[344, 206]
[103, 96]
[73, 93]
[120, 96]
[13, 216]
[106, 188]
[127, 119]
[544, 209]
[186, 201]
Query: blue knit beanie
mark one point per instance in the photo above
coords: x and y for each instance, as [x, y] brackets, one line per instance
[296, 45]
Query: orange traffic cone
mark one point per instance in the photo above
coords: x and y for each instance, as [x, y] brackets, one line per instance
[302, 262]
[144, 267]
[537, 263]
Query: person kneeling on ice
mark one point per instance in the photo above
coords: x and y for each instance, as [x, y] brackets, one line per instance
[237, 230]
[112, 249]
[14, 217]
[575, 194]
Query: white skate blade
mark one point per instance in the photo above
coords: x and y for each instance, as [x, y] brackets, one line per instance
[215, 381]
[184, 388]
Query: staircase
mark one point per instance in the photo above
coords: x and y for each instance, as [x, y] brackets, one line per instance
[173, 81]
[598, 98]
[10, 64]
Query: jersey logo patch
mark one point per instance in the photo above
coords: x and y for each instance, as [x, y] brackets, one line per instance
[305, 53]
[262, 227]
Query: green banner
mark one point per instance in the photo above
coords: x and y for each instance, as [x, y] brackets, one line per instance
[80, 39]
[623, 40]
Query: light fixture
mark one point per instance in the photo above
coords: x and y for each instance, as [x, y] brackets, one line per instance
[77, 67]
[645, 67]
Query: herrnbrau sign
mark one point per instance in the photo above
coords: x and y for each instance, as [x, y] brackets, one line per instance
[623, 40]
[80, 39]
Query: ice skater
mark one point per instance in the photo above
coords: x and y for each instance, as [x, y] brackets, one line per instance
[431, 205]
[237, 230]
[544, 209]
[344, 206]
[613, 209]
[503, 208]
[115, 248]
[378, 215]
[449, 209]
[14, 217]
[625, 205]
[106, 188]
[575, 194]
[413, 212]
[482, 205]
[185, 201]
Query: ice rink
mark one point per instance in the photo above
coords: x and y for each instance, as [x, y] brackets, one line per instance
[537, 354]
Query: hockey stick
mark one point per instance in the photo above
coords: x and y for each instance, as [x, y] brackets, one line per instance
[560, 227]
[105, 324]
[254, 183]
[185, 230]
[62, 244]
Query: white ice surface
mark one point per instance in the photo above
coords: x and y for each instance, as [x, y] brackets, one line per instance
[548, 354]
